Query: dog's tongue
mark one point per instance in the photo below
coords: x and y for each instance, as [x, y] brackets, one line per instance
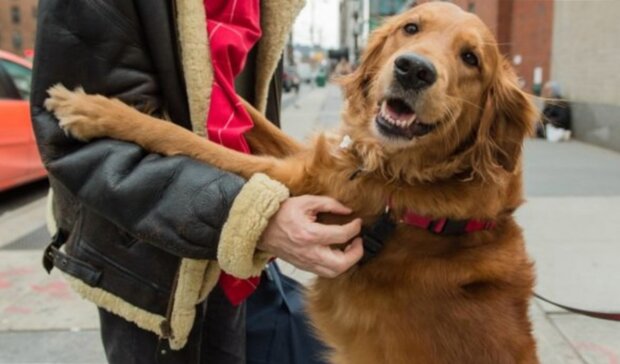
[397, 114]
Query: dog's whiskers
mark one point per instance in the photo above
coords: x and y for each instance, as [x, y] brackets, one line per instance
[453, 135]
[465, 101]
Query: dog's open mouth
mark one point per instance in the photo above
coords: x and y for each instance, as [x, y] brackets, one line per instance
[397, 119]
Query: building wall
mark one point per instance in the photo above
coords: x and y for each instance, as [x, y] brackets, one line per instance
[504, 26]
[531, 34]
[348, 26]
[25, 29]
[344, 24]
[354, 25]
[585, 62]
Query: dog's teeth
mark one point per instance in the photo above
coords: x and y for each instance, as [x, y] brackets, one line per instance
[389, 118]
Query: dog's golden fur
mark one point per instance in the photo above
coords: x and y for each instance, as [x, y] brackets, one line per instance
[425, 298]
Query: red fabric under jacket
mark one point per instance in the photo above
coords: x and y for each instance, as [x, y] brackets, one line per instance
[233, 27]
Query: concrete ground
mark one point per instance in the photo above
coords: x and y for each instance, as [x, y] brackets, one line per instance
[571, 220]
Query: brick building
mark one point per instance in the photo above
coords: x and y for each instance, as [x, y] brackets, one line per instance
[18, 22]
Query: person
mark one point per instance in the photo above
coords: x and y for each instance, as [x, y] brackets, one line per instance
[556, 122]
[343, 67]
[144, 236]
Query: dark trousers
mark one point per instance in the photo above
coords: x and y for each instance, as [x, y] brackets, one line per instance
[218, 337]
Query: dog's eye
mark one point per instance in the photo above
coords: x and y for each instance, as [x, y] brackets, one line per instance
[411, 28]
[470, 58]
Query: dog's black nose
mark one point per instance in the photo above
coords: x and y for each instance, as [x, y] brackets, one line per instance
[414, 71]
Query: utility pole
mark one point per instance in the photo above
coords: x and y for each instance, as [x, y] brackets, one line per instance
[312, 23]
[290, 50]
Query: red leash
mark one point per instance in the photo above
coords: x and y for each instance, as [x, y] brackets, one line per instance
[611, 316]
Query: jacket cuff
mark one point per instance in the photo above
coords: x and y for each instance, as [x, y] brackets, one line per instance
[257, 201]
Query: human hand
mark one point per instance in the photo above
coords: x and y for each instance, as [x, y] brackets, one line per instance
[294, 235]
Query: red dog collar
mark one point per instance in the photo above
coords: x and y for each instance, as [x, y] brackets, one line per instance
[446, 226]
[374, 236]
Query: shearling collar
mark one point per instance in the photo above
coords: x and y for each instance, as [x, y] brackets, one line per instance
[277, 18]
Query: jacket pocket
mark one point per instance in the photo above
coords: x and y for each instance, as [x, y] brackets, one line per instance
[76, 268]
[128, 273]
[67, 263]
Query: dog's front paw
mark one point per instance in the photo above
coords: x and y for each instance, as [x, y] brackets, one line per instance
[80, 115]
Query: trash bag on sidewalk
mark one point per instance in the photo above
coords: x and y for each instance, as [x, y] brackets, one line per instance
[278, 331]
[557, 134]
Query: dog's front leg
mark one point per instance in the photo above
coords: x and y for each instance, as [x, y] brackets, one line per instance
[87, 117]
[264, 138]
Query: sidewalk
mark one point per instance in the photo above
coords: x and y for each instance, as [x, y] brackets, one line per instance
[572, 227]
[571, 221]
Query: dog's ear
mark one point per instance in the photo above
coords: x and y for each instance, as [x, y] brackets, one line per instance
[508, 117]
[356, 85]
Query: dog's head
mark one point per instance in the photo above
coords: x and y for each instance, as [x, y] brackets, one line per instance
[434, 97]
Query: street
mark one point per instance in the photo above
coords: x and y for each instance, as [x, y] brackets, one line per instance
[571, 221]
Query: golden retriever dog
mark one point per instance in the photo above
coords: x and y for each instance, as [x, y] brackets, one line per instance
[435, 122]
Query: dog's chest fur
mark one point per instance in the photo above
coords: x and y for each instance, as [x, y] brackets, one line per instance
[421, 298]
[436, 298]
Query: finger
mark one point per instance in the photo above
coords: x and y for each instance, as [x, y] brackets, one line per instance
[327, 204]
[340, 261]
[354, 252]
[355, 244]
[335, 234]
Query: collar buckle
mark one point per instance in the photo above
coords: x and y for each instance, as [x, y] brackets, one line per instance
[374, 237]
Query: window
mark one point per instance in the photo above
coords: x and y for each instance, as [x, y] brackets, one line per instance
[15, 14]
[7, 89]
[18, 41]
[21, 77]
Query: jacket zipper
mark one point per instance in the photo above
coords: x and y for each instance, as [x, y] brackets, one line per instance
[166, 325]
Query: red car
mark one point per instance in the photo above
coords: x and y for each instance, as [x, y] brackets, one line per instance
[19, 157]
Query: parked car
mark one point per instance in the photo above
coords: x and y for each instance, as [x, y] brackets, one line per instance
[20, 161]
[290, 79]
